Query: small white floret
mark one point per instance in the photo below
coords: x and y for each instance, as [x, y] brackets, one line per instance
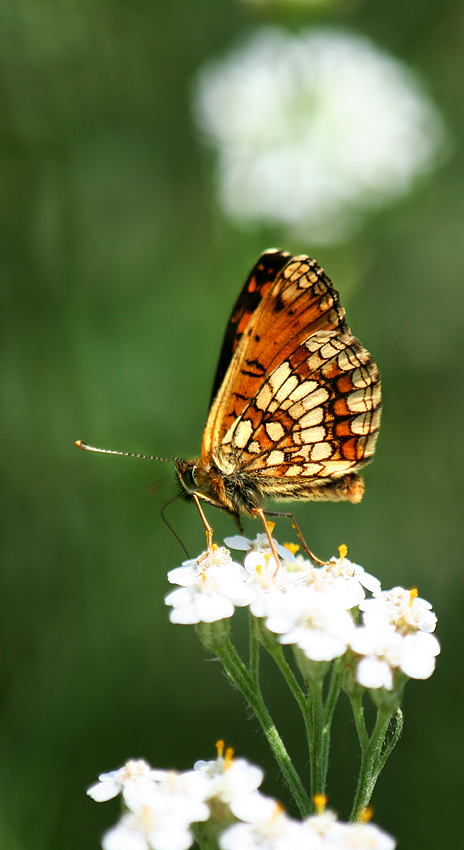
[210, 588]
[136, 774]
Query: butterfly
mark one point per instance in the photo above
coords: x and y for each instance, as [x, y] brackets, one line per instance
[296, 401]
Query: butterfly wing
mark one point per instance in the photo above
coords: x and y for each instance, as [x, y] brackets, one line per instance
[257, 284]
[300, 400]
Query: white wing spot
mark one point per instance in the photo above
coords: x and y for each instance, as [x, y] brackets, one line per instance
[264, 397]
[275, 458]
[313, 435]
[279, 376]
[296, 469]
[243, 433]
[314, 400]
[321, 451]
[312, 468]
[274, 431]
[286, 388]
[314, 417]
[328, 350]
[364, 399]
[361, 377]
[303, 390]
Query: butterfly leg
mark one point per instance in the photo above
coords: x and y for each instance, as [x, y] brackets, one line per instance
[259, 512]
[208, 529]
[299, 533]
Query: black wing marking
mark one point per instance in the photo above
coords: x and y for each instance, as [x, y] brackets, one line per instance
[261, 277]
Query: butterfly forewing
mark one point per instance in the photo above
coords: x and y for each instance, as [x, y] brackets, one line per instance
[257, 284]
[299, 404]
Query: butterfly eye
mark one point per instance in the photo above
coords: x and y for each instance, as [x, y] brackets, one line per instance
[188, 479]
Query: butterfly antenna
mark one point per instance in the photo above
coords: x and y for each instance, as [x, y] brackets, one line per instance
[173, 530]
[87, 448]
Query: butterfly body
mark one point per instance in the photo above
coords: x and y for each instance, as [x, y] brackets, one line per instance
[296, 400]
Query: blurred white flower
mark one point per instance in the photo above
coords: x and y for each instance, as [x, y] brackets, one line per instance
[231, 781]
[384, 650]
[320, 629]
[338, 835]
[418, 656]
[147, 830]
[179, 796]
[162, 805]
[380, 647]
[136, 774]
[271, 830]
[407, 611]
[211, 586]
[313, 129]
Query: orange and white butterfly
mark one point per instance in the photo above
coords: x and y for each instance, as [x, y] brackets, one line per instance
[296, 401]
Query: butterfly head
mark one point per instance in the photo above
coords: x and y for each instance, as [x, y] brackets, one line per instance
[187, 476]
[206, 480]
[232, 492]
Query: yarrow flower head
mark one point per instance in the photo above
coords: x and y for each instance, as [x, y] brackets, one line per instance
[210, 588]
[404, 609]
[314, 609]
[233, 782]
[314, 129]
[161, 805]
[135, 775]
[321, 630]
[395, 635]
[166, 805]
[355, 577]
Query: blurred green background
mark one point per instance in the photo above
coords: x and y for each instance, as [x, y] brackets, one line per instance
[118, 272]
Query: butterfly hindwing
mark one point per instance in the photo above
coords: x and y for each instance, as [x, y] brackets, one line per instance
[322, 420]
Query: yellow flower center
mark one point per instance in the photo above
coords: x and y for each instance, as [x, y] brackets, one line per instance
[320, 801]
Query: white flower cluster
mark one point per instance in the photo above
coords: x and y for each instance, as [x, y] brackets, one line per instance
[316, 609]
[313, 129]
[161, 807]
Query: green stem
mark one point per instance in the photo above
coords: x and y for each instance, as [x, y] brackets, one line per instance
[315, 739]
[284, 667]
[244, 682]
[331, 701]
[254, 656]
[358, 713]
[372, 761]
[393, 741]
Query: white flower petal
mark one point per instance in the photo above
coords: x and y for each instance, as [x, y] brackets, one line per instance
[252, 807]
[209, 609]
[186, 615]
[122, 838]
[102, 791]
[374, 673]
[170, 838]
[237, 541]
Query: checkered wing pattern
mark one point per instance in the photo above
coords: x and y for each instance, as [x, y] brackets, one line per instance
[297, 402]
